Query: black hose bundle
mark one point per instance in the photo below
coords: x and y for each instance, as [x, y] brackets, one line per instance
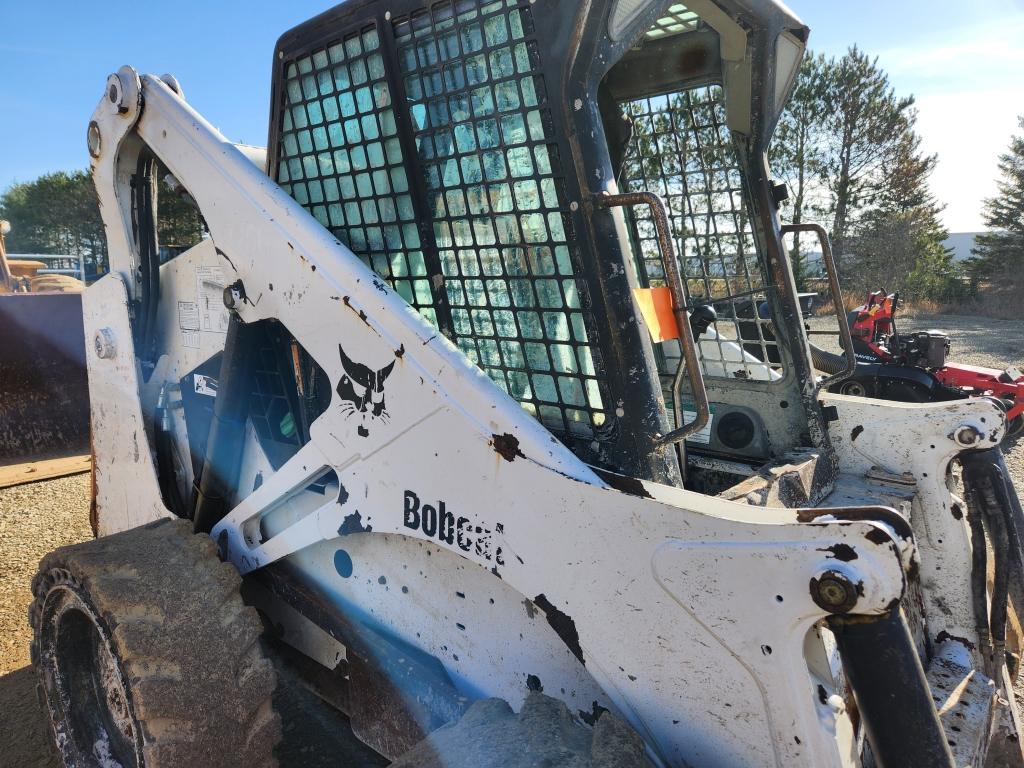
[993, 499]
[827, 362]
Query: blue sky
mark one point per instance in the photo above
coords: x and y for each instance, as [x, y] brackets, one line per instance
[964, 62]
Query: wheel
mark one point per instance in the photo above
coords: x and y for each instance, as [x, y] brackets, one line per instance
[491, 735]
[853, 387]
[147, 656]
[1015, 425]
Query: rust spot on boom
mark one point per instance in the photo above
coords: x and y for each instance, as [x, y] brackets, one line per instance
[362, 315]
[507, 446]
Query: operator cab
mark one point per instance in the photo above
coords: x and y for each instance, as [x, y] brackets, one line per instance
[492, 161]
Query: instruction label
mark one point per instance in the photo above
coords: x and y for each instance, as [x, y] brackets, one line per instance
[703, 437]
[188, 316]
[213, 315]
[205, 385]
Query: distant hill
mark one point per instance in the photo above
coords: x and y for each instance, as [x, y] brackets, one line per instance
[961, 243]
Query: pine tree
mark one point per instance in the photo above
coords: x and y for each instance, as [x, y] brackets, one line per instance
[796, 153]
[848, 148]
[864, 123]
[59, 213]
[1000, 253]
[897, 245]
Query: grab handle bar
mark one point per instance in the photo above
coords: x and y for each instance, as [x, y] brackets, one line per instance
[845, 338]
[689, 364]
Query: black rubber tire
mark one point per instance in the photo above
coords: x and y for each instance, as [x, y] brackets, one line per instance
[142, 642]
[543, 733]
[903, 391]
[1015, 426]
[854, 387]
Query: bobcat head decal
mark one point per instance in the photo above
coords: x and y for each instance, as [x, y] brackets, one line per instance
[362, 390]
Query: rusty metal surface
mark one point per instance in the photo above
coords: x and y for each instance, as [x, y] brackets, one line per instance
[44, 393]
[837, 301]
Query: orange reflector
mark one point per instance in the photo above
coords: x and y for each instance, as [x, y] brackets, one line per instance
[656, 307]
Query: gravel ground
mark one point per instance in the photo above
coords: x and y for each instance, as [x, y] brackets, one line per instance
[34, 519]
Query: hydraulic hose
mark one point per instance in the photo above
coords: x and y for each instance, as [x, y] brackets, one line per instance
[165, 458]
[886, 676]
[989, 491]
[827, 362]
[979, 579]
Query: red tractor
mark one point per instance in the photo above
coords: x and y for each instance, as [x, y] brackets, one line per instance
[912, 367]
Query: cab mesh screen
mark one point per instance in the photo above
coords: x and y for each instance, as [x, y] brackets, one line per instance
[339, 155]
[682, 150]
[485, 176]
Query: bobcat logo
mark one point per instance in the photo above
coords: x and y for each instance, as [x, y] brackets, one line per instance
[362, 390]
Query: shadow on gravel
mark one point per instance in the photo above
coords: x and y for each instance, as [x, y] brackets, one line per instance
[24, 737]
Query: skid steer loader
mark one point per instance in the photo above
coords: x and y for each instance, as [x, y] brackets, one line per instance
[403, 403]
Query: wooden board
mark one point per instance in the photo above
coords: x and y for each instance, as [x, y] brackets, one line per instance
[16, 474]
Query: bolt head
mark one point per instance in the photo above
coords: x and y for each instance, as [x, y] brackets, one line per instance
[833, 592]
[115, 93]
[93, 140]
[967, 435]
[103, 342]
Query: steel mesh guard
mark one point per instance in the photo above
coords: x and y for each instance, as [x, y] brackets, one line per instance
[682, 150]
[339, 155]
[479, 165]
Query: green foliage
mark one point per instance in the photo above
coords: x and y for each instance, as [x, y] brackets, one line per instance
[797, 153]
[999, 254]
[865, 125]
[901, 250]
[847, 147]
[179, 225]
[59, 213]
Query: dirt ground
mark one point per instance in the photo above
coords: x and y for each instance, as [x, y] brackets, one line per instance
[36, 518]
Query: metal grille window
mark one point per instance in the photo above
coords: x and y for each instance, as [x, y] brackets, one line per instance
[470, 76]
[682, 150]
[339, 155]
[486, 175]
[269, 407]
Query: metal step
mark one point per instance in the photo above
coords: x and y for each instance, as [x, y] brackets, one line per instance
[966, 700]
